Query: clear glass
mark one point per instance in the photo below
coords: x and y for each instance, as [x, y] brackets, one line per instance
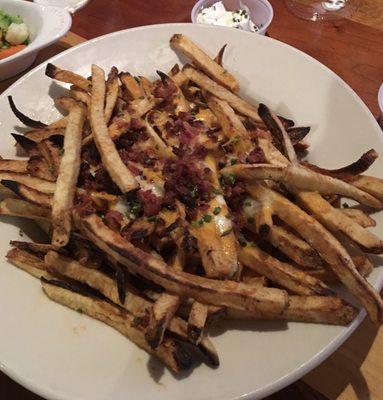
[329, 10]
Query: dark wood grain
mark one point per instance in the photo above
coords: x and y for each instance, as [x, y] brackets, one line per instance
[353, 50]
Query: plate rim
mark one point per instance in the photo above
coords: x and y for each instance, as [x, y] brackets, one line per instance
[303, 369]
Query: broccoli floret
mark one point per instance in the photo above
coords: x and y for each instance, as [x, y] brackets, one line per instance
[6, 20]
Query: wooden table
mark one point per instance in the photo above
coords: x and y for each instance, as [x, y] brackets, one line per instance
[352, 48]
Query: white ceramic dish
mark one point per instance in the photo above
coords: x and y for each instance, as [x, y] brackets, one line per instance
[63, 355]
[69, 5]
[261, 11]
[46, 25]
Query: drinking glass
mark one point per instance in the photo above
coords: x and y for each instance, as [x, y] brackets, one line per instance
[328, 10]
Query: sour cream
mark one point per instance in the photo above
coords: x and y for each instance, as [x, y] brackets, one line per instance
[218, 15]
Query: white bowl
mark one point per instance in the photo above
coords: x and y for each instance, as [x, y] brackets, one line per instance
[261, 11]
[69, 5]
[46, 26]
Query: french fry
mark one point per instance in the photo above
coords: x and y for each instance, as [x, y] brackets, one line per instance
[271, 154]
[232, 127]
[281, 273]
[282, 239]
[215, 237]
[209, 291]
[161, 313]
[146, 85]
[196, 322]
[22, 208]
[28, 262]
[39, 168]
[18, 166]
[221, 92]
[65, 102]
[369, 184]
[30, 181]
[41, 134]
[177, 98]
[169, 352]
[350, 171]
[112, 88]
[162, 148]
[297, 134]
[67, 177]
[51, 154]
[132, 86]
[24, 118]
[314, 309]
[62, 75]
[110, 157]
[59, 124]
[336, 221]
[281, 137]
[80, 95]
[201, 60]
[219, 57]
[135, 304]
[327, 246]
[301, 179]
[359, 217]
[29, 194]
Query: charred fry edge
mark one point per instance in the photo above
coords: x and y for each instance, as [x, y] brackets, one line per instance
[24, 118]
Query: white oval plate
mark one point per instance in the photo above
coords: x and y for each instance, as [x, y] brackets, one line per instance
[69, 5]
[64, 355]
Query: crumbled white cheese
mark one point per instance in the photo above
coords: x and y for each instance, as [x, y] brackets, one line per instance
[145, 185]
[17, 33]
[218, 15]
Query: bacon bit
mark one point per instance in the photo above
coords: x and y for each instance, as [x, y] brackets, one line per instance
[186, 127]
[133, 155]
[256, 156]
[132, 136]
[235, 194]
[189, 243]
[121, 123]
[136, 124]
[85, 178]
[114, 219]
[84, 205]
[260, 133]
[190, 153]
[164, 91]
[133, 169]
[237, 221]
[103, 182]
[137, 231]
[151, 204]
[100, 182]
[142, 321]
[90, 154]
[186, 182]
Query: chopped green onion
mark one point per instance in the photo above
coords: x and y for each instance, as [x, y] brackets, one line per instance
[231, 178]
[207, 218]
[217, 210]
